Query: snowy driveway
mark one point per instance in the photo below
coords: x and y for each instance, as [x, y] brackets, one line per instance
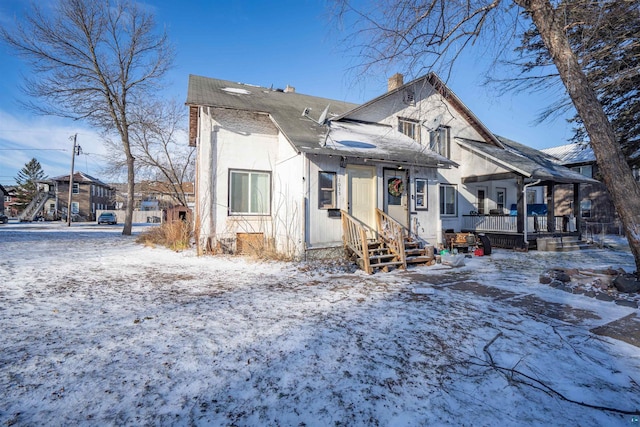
[97, 330]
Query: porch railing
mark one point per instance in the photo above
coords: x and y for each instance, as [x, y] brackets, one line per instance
[354, 236]
[506, 223]
[392, 233]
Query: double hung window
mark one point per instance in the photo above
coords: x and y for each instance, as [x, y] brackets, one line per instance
[448, 200]
[249, 192]
[439, 141]
[326, 190]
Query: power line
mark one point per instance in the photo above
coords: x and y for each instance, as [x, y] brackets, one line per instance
[33, 149]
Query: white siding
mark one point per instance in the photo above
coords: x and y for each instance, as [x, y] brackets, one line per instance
[322, 230]
[288, 199]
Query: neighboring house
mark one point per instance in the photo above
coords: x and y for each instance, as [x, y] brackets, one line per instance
[88, 195]
[154, 195]
[11, 201]
[594, 201]
[284, 168]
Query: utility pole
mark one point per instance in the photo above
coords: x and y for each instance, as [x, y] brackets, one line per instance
[73, 158]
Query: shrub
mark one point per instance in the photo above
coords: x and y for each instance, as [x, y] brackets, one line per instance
[175, 235]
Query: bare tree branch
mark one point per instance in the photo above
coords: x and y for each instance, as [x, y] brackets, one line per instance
[93, 60]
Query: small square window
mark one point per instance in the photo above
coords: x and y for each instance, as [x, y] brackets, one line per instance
[326, 190]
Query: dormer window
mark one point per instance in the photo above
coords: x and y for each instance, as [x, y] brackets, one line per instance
[411, 128]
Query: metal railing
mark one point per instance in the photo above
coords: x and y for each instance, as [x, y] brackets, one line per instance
[34, 207]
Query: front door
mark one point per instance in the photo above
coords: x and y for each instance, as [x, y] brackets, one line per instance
[395, 195]
[362, 193]
[481, 201]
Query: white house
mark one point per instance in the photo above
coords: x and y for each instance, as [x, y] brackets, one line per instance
[283, 168]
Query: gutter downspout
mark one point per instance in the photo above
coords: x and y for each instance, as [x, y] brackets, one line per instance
[526, 218]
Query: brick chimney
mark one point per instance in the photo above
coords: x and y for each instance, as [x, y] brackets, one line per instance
[395, 82]
[289, 89]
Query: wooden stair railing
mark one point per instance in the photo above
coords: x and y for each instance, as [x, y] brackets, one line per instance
[354, 236]
[414, 249]
[392, 234]
[390, 245]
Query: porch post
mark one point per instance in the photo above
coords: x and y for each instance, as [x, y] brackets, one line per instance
[522, 215]
[576, 207]
[551, 207]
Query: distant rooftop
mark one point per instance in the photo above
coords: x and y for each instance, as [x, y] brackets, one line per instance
[571, 154]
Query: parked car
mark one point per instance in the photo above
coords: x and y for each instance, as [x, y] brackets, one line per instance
[107, 218]
[4, 219]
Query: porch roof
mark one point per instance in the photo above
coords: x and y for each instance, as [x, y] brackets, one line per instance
[378, 142]
[525, 161]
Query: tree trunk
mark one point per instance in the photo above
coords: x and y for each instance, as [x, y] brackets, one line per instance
[617, 176]
[131, 183]
[128, 213]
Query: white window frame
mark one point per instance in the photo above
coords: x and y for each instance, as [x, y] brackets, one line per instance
[410, 128]
[440, 141]
[444, 189]
[421, 197]
[331, 189]
[503, 191]
[76, 188]
[75, 207]
[252, 210]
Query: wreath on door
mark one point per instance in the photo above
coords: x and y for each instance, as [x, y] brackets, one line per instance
[396, 187]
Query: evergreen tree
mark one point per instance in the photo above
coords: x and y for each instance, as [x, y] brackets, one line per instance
[27, 181]
[606, 39]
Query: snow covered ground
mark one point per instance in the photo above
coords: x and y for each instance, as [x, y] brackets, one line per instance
[98, 330]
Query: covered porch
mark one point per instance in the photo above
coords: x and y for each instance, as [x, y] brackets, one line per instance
[525, 223]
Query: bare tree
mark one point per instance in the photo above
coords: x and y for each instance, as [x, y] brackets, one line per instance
[422, 32]
[158, 145]
[93, 60]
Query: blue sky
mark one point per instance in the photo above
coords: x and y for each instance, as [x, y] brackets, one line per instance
[267, 43]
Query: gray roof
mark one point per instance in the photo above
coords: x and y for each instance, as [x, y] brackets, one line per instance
[525, 161]
[284, 107]
[572, 154]
[367, 141]
[79, 177]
